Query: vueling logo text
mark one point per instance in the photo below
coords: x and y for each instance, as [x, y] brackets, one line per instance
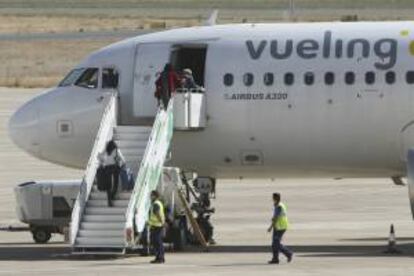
[385, 49]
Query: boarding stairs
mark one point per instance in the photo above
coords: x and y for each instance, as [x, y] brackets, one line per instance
[103, 226]
[99, 229]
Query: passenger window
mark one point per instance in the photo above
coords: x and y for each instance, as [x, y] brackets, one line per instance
[410, 77]
[289, 78]
[268, 79]
[228, 79]
[390, 77]
[110, 78]
[89, 78]
[309, 78]
[349, 78]
[248, 79]
[329, 78]
[369, 78]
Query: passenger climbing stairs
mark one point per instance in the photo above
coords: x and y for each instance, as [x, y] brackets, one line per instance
[97, 228]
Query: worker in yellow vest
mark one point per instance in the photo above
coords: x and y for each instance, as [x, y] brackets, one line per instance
[156, 223]
[279, 226]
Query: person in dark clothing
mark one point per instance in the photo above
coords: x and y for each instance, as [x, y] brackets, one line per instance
[166, 84]
[112, 161]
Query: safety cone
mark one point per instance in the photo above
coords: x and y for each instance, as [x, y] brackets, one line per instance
[392, 243]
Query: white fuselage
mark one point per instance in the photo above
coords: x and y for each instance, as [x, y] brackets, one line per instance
[319, 125]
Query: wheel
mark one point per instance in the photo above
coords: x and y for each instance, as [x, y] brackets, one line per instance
[41, 235]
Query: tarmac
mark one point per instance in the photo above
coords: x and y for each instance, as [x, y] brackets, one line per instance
[338, 227]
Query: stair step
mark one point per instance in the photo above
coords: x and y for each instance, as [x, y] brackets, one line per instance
[100, 242]
[135, 158]
[131, 137]
[133, 163]
[96, 250]
[134, 129]
[104, 203]
[132, 144]
[101, 233]
[102, 225]
[136, 152]
[102, 195]
[134, 155]
[104, 218]
[105, 211]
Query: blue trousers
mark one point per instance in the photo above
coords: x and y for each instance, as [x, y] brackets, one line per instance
[277, 245]
[157, 241]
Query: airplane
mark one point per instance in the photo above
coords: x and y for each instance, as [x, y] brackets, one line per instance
[328, 99]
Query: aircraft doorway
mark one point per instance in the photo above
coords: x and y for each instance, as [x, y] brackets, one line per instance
[150, 60]
[192, 57]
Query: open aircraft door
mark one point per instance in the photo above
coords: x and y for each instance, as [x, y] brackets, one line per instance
[150, 59]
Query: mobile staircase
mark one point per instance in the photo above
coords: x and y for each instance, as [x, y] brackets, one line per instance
[97, 228]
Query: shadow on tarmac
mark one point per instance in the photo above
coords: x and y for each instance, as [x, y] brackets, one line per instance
[31, 252]
[352, 250]
[385, 239]
[51, 251]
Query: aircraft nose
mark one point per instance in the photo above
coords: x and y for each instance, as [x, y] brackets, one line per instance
[24, 127]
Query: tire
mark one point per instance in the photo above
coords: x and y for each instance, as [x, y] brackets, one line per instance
[41, 235]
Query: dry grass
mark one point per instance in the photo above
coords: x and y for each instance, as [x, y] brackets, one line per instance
[29, 82]
[126, 5]
[41, 63]
[15, 24]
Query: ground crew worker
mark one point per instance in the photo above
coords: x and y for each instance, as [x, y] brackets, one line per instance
[279, 226]
[156, 223]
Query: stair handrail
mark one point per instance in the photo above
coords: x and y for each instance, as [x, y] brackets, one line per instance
[150, 171]
[104, 134]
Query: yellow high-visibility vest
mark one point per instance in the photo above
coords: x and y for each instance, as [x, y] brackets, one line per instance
[153, 219]
[282, 222]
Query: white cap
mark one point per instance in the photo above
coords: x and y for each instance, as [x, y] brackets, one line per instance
[187, 71]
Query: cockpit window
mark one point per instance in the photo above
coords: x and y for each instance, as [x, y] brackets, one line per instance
[89, 78]
[110, 78]
[71, 77]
